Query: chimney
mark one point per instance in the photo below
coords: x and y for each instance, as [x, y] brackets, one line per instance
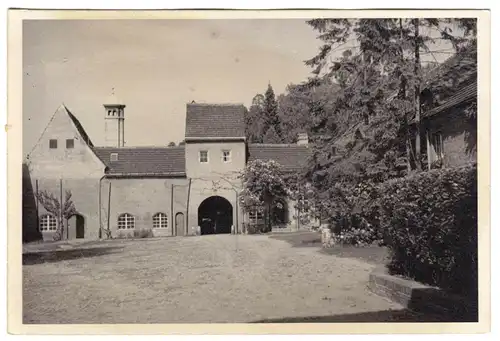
[302, 139]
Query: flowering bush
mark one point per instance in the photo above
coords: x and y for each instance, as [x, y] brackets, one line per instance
[264, 185]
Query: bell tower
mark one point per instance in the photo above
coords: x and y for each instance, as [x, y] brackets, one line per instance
[114, 122]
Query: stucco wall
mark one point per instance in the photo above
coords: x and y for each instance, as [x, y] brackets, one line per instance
[143, 198]
[459, 137]
[215, 165]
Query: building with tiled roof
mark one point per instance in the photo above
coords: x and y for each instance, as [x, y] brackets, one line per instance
[448, 123]
[172, 191]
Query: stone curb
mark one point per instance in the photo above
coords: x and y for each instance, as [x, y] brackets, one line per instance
[422, 298]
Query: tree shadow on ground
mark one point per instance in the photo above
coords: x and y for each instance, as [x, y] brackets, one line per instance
[371, 254]
[403, 315]
[32, 258]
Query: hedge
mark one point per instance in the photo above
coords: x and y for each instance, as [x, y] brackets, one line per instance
[429, 221]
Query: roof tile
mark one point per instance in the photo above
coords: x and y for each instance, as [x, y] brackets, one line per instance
[290, 156]
[144, 160]
[215, 120]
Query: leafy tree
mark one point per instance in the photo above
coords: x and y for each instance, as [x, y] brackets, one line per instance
[171, 144]
[254, 120]
[264, 186]
[61, 212]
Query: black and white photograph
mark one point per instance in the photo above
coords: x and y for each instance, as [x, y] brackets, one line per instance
[251, 170]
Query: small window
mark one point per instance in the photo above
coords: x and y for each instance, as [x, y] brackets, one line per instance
[114, 157]
[109, 112]
[255, 216]
[48, 223]
[226, 156]
[53, 144]
[70, 144]
[437, 142]
[160, 221]
[203, 156]
[126, 221]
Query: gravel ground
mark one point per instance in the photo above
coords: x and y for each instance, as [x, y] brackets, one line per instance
[219, 278]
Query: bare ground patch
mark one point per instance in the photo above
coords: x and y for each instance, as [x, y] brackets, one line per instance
[222, 278]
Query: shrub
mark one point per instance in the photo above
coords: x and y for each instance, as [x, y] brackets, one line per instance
[430, 226]
[124, 235]
[143, 233]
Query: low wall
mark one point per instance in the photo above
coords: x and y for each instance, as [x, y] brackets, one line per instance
[422, 298]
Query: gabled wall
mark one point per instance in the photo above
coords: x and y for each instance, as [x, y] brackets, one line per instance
[77, 169]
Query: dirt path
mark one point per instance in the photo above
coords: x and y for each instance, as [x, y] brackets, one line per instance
[221, 278]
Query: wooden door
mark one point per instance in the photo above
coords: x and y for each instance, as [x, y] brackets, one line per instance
[179, 224]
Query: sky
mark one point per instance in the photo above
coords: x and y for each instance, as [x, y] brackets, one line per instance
[155, 68]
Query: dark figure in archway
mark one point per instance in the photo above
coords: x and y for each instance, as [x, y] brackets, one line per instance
[215, 215]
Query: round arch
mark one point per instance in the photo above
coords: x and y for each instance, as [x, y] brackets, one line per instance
[215, 215]
[76, 226]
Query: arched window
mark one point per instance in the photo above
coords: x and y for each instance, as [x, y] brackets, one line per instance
[160, 221]
[48, 223]
[126, 221]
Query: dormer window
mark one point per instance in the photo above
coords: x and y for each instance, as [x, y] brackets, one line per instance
[203, 156]
[53, 144]
[70, 144]
[114, 157]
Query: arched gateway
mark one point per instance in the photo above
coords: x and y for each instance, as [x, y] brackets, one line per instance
[215, 215]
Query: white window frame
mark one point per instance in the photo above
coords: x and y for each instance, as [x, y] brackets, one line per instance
[126, 221]
[199, 156]
[160, 221]
[47, 223]
[113, 157]
[226, 158]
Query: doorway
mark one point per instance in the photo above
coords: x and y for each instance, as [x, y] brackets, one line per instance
[76, 227]
[179, 224]
[215, 215]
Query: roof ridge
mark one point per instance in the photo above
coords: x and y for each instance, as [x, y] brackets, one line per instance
[277, 144]
[140, 147]
[217, 104]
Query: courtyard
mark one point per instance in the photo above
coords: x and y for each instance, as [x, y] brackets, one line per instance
[205, 279]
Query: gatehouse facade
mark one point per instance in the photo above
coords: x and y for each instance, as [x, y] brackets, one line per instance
[167, 191]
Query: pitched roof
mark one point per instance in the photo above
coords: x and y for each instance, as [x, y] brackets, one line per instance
[144, 161]
[290, 156]
[463, 95]
[215, 120]
[457, 68]
[80, 128]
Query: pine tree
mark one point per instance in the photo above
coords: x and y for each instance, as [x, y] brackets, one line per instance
[270, 108]
[362, 133]
[271, 136]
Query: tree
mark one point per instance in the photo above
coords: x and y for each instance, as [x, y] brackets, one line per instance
[254, 120]
[271, 136]
[362, 134]
[171, 144]
[61, 212]
[270, 111]
[264, 186]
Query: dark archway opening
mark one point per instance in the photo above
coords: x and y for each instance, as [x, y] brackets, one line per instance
[215, 215]
[280, 214]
